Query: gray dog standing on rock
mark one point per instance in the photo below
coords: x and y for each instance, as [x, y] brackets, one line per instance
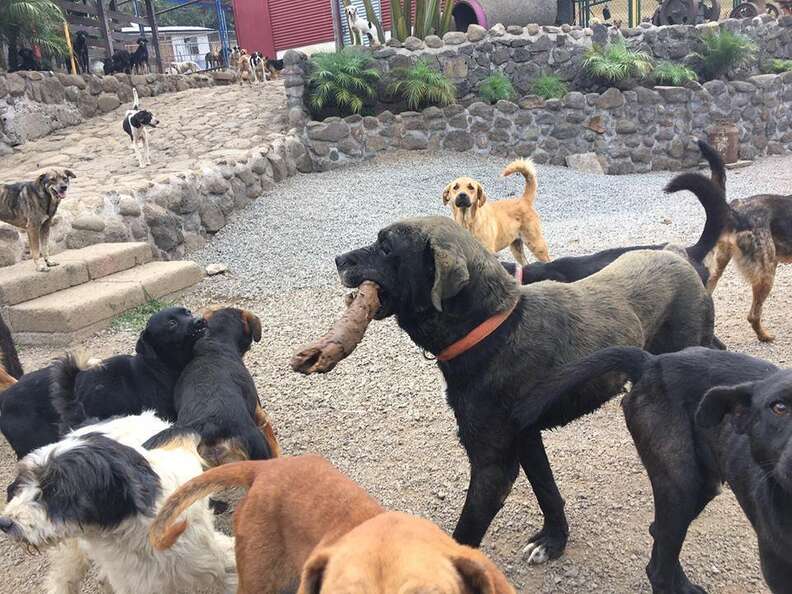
[32, 206]
[494, 340]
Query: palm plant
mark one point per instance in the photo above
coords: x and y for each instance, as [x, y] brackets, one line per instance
[676, 75]
[615, 62]
[432, 17]
[496, 87]
[341, 81]
[34, 22]
[422, 86]
[549, 86]
[722, 52]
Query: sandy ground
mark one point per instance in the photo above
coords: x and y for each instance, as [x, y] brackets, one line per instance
[381, 417]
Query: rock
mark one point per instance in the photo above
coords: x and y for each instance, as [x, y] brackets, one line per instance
[458, 140]
[109, 84]
[212, 217]
[610, 99]
[89, 222]
[215, 269]
[433, 41]
[596, 124]
[625, 126]
[454, 38]
[413, 44]
[16, 84]
[107, 102]
[476, 33]
[329, 132]
[128, 207]
[673, 94]
[52, 91]
[164, 226]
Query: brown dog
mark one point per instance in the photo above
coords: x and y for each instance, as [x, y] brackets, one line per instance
[502, 223]
[32, 206]
[305, 522]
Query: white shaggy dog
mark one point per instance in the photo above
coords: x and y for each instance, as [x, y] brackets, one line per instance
[364, 26]
[93, 495]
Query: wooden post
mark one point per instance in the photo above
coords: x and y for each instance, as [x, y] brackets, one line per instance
[338, 31]
[152, 19]
[103, 27]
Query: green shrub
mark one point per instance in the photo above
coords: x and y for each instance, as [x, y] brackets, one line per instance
[341, 82]
[496, 87]
[422, 86]
[616, 62]
[676, 75]
[779, 66]
[549, 86]
[722, 52]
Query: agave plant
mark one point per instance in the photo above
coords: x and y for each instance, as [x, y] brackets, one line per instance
[549, 86]
[341, 82]
[422, 86]
[432, 17]
[496, 87]
[615, 62]
[676, 75]
[722, 52]
[36, 23]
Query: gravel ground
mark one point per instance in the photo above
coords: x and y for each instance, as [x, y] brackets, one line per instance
[381, 415]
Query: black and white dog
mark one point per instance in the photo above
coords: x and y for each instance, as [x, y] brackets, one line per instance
[139, 59]
[365, 27]
[80, 47]
[259, 67]
[136, 123]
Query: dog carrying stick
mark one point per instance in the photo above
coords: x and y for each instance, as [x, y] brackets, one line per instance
[324, 354]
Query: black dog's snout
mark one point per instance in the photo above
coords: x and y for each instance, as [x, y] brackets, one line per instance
[462, 200]
[6, 524]
[343, 261]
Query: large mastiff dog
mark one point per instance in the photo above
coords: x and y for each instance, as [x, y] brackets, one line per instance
[495, 340]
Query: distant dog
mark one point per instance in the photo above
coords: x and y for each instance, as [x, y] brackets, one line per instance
[32, 206]
[758, 235]
[363, 26]
[504, 222]
[80, 47]
[92, 497]
[136, 124]
[213, 59]
[310, 525]
[182, 68]
[140, 58]
[274, 67]
[241, 63]
[216, 397]
[27, 60]
[494, 341]
[709, 192]
[699, 418]
[259, 66]
[120, 61]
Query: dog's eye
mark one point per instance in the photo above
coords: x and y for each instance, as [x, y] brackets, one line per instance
[780, 409]
[172, 324]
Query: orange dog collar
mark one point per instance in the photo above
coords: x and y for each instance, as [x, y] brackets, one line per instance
[476, 335]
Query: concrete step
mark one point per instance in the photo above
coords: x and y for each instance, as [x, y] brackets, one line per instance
[75, 312]
[22, 282]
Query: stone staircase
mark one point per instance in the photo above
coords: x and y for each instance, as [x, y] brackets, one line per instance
[86, 291]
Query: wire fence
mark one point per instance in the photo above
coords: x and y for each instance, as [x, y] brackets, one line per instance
[629, 12]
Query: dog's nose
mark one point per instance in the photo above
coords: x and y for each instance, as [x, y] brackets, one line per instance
[462, 200]
[6, 524]
[341, 261]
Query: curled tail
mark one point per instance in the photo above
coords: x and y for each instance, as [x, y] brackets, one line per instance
[526, 168]
[558, 391]
[135, 99]
[714, 203]
[63, 378]
[717, 169]
[164, 532]
[9, 358]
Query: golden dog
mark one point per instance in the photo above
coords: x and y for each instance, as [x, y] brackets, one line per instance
[502, 223]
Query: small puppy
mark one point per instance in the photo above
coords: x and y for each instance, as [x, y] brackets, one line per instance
[699, 418]
[365, 27]
[502, 223]
[92, 497]
[32, 206]
[136, 123]
[216, 396]
[308, 524]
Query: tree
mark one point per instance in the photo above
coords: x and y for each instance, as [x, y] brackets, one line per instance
[29, 23]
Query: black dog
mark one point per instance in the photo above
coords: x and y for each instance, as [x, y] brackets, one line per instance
[139, 59]
[27, 60]
[80, 47]
[9, 357]
[27, 418]
[216, 396]
[120, 61]
[712, 198]
[494, 340]
[687, 461]
[129, 384]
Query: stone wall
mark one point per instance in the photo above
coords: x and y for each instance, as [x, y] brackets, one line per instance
[632, 131]
[33, 104]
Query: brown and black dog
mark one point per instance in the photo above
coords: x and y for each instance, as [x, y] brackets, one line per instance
[31, 206]
[304, 522]
[504, 222]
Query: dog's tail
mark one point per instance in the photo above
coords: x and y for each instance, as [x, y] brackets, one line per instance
[714, 203]
[9, 357]
[717, 168]
[526, 168]
[135, 99]
[164, 532]
[558, 391]
[63, 377]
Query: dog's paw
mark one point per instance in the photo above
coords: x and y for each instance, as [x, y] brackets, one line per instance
[51, 264]
[544, 546]
[536, 553]
[42, 268]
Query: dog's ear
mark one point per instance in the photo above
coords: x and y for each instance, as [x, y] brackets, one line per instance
[69, 173]
[447, 195]
[481, 197]
[724, 400]
[144, 348]
[41, 179]
[252, 325]
[451, 272]
[313, 573]
[474, 574]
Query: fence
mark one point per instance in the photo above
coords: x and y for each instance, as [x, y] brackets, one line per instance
[631, 12]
